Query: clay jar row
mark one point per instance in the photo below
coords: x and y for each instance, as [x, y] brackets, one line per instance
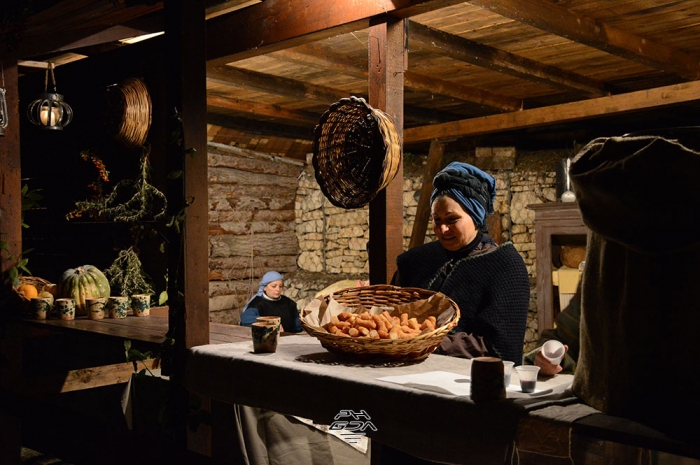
[97, 308]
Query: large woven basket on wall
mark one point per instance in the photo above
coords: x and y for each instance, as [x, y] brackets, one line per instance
[356, 152]
[361, 299]
[129, 112]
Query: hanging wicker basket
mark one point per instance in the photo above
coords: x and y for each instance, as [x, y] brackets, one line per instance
[129, 112]
[356, 152]
[360, 299]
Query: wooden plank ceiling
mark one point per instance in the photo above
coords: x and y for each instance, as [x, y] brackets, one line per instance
[502, 72]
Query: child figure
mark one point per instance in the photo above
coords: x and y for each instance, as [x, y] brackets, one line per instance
[269, 301]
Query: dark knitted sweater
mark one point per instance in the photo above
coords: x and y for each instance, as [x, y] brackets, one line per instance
[284, 307]
[492, 290]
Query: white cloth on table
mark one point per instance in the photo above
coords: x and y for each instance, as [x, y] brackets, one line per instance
[410, 419]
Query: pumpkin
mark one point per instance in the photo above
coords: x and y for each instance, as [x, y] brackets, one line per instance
[83, 283]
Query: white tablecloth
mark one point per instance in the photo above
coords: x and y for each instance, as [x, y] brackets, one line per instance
[427, 421]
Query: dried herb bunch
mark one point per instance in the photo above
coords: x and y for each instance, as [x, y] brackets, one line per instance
[126, 274]
[146, 202]
[92, 207]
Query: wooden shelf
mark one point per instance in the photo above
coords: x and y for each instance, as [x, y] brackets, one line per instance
[556, 224]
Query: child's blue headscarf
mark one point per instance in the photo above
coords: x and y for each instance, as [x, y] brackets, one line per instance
[267, 278]
[474, 189]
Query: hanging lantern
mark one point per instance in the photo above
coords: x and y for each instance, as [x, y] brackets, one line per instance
[49, 111]
[3, 104]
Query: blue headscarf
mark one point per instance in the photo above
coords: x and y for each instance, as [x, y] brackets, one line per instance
[472, 188]
[267, 278]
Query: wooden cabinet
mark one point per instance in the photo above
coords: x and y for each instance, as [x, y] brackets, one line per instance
[556, 224]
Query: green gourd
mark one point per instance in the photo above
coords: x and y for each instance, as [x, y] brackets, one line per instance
[83, 283]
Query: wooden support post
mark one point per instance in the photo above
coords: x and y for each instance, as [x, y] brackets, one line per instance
[185, 77]
[387, 63]
[437, 150]
[11, 233]
[10, 176]
[186, 84]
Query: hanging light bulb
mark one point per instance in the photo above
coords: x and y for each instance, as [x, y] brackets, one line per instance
[49, 111]
[3, 103]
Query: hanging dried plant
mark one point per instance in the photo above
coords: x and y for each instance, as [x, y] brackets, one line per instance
[126, 274]
[146, 202]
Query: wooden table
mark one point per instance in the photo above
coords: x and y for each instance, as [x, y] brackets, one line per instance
[83, 370]
[48, 360]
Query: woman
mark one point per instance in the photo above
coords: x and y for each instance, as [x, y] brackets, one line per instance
[269, 301]
[489, 283]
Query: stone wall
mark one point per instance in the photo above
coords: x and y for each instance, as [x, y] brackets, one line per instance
[266, 213]
[332, 241]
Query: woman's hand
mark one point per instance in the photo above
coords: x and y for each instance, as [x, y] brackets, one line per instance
[546, 367]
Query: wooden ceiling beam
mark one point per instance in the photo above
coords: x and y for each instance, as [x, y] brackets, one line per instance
[216, 8]
[614, 105]
[500, 61]
[461, 92]
[230, 76]
[269, 129]
[278, 24]
[82, 21]
[324, 58]
[319, 57]
[295, 117]
[290, 88]
[557, 20]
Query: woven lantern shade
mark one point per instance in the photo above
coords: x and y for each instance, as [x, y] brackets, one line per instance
[356, 152]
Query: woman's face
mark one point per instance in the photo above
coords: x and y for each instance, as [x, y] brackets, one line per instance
[453, 226]
[274, 289]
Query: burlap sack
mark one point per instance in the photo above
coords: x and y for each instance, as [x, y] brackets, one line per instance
[640, 320]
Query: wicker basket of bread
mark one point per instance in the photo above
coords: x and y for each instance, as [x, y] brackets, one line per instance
[381, 321]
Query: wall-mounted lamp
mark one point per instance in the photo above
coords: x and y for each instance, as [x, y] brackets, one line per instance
[49, 111]
[3, 103]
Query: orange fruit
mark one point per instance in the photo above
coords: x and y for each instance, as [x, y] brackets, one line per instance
[28, 291]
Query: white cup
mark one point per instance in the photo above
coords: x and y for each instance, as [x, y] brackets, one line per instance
[528, 377]
[507, 371]
[553, 351]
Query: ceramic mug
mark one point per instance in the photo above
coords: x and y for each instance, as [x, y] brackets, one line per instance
[141, 304]
[41, 306]
[117, 306]
[265, 337]
[65, 308]
[271, 319]
[95, 307]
